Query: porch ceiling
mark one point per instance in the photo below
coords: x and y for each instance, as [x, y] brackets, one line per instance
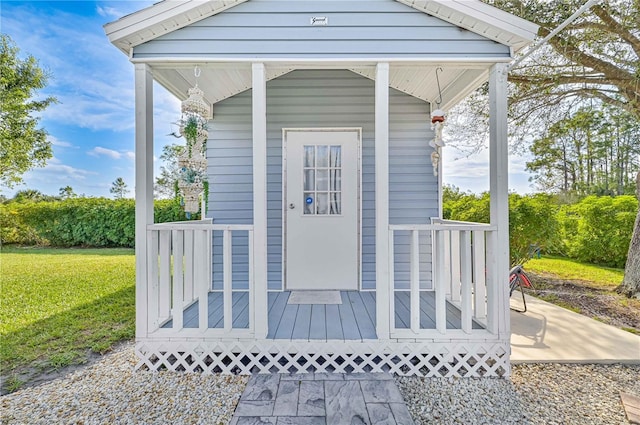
[222, 81]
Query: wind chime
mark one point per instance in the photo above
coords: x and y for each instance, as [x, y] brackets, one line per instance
[438, 117]
[193, 161]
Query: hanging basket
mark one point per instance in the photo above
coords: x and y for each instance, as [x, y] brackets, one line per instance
[191, 195]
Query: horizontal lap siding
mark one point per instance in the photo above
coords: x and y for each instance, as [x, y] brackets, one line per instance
[357, 28]
[332, 98]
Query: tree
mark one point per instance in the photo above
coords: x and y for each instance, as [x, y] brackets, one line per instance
[23, 145]
[119, 188]
[31, 195]
[67, 192]
[631, 282]
[594, 59]
[165, 186]
[591, 152]
[596, 56]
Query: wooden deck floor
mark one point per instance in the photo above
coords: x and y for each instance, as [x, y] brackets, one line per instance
[354, 319]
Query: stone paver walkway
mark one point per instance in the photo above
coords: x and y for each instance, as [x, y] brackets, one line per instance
[322, 399]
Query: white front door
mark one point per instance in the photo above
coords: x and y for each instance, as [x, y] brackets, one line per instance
[322, 209]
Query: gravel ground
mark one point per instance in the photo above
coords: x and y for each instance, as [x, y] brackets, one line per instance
[536, 394]
[109, 392]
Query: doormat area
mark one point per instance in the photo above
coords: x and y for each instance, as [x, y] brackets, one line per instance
[315, 297]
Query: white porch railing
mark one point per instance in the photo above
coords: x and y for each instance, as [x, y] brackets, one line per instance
[179, 274]
[463, 275]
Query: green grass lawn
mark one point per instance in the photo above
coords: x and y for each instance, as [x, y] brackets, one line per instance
[564, 268]
[58, 305]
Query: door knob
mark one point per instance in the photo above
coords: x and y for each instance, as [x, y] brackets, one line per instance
[292, 206]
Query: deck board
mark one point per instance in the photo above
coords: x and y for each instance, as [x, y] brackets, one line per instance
[354, 319]
[318, 326]
[348, 318]
[334, 325]
[365, 325]
[302, 322]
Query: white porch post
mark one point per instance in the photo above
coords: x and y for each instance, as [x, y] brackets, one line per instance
[259, 118]
[499, 204]
[143, 187]
[383, 290]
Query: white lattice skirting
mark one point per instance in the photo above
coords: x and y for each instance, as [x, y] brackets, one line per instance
[429, 359]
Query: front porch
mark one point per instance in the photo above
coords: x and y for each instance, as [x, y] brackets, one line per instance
[445, 328]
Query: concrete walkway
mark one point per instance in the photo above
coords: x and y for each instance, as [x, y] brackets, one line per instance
[548, 333]
[320, 399]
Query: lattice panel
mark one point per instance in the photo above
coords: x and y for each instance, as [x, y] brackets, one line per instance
[464, 359]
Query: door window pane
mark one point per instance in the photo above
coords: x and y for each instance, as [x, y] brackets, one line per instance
[335, 204]
[309, 156]
[336, 156]
[322, 203]
[309, 180]
[336, 179]
[323, 180]
[323, 156]
[308, 202]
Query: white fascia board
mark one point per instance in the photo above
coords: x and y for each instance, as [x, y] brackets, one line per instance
[162, 18]
[503, 27]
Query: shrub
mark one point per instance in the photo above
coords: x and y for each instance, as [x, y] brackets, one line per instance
[91, 222]
[532, 219]
[598, 229]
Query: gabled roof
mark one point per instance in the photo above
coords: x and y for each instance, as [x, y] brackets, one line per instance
[170, 15]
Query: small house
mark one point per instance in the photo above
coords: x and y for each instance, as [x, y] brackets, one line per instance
[323, 247]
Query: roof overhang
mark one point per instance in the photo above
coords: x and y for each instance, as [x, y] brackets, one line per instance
[415, 77]
[170, 15]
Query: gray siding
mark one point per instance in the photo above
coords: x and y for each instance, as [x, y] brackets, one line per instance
[357, 28]
[332, 98]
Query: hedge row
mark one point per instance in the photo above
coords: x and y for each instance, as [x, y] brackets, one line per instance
[94, 222]
[594, 230]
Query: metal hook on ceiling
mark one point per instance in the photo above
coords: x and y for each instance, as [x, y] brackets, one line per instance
[439, 101]
[196, 72]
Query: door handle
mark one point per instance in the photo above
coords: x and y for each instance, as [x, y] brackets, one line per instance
[292, 206]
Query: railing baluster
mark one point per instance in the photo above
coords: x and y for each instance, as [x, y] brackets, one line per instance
[441, 284]
[414, 264]
[178, 279]
[392, 282]
[152, 273]
[202, 281]
[228, 279]
[189, 282]
[455, 265]
[252, 297]
[446, 271]
[479, 270]
[165, 275]
[465, 275]
[492, 285]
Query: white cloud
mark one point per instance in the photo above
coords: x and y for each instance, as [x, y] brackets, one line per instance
[108, 12]
[99, 151]
[59, 143]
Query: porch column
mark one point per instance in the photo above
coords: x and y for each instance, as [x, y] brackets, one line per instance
[383, 291]
[259, 119]
[143, 187]
[498, 299]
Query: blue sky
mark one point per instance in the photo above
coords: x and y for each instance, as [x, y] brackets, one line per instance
[92, 126]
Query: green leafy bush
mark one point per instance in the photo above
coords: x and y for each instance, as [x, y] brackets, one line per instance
[94, 222]
[532, 219]
[598, 229]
